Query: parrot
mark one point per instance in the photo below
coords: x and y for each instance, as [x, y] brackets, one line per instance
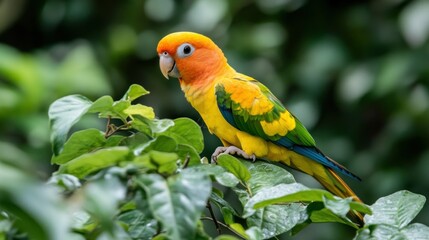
[244, 114]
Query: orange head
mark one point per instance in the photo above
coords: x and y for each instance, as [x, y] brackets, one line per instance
[191, 57]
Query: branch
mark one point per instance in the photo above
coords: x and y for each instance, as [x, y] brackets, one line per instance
[223, 225]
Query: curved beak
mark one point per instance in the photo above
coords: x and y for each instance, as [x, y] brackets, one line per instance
[168, 66]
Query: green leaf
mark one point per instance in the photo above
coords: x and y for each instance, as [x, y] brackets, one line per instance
[201, 233]
[255, 233]
[335, 211]
[265, 197]
[142, 125]
[161, 143]
[185, 151]
[36, 208]
[139, 224]
[79, 143]
[222, 203]
[177, 202]
[63, 114]
[378, 232]
[234, 166]
[227, 179]
[102, 105]
[94, 161]
[294, 192]
[67, 181]
[325, 215]
[82, 222]
[227, 214]
[144, 161]
[136, 140]
[208, 169]
[161, 158]
[133, 92]
[226, 237]
[114, 140]
[360, 207]
[118, 110]
[252, 233]
[239, 229]
[276, 219]
[161, 236]
[338, 206]
[265, 175]
[140, 110]
[397, 209]
[281, 193]
[221, 176]
[151, 127]
[102, 198]
[160, 125]
[186, 131]
[266, 180]
[318, 212]
[416, 231]
[166, 161]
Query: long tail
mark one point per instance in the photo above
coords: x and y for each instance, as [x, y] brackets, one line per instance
[337, 186]
[327, 177]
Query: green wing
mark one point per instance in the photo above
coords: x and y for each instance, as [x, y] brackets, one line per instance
[250, 107]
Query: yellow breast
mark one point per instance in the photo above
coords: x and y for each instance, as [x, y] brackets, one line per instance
[203, 99]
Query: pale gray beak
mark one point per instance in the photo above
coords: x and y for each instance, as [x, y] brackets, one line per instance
[168, 66]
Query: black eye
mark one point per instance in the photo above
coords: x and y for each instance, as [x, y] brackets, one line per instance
[185, 50]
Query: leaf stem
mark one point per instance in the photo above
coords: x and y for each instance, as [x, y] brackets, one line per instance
[209, 206]
[112, 129]
[223, 225]
[108, 127]
[186, 162]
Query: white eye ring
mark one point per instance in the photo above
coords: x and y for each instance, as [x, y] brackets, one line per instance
[185, 50]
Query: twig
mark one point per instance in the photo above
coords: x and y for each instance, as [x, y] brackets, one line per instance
[111, 128]
[209, 206]
[108, 127]
[186, 162]
[223, 225]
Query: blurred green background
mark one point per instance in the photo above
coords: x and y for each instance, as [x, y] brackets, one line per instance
[356, 73]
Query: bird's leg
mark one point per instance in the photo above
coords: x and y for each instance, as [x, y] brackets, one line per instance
[231, 150]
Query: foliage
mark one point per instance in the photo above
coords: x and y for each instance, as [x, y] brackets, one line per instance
[143, 178]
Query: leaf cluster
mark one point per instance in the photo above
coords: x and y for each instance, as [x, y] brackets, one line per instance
[144, 178]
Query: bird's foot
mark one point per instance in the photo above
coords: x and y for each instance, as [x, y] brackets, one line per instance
[231, 150]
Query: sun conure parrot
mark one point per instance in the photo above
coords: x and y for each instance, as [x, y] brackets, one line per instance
[243, 113]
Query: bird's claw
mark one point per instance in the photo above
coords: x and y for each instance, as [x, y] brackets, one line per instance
[231, 150]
